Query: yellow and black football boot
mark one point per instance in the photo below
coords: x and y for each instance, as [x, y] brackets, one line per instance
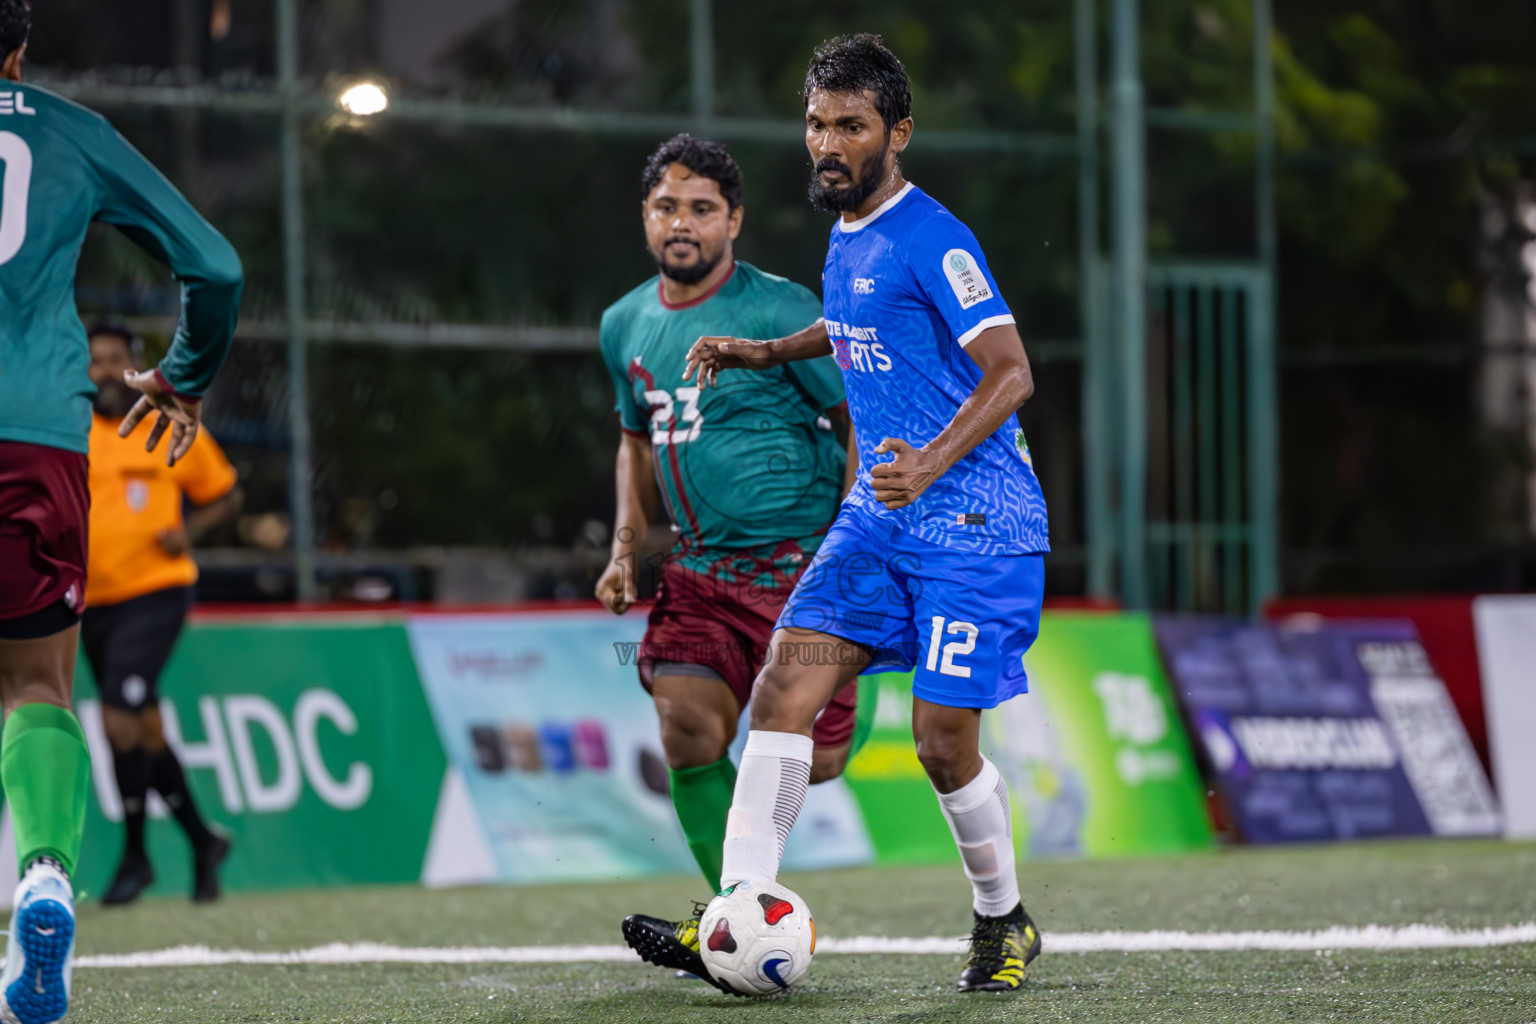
[672, 944]
[1001, 951]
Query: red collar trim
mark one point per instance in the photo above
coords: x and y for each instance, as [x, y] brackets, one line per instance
[662, 295]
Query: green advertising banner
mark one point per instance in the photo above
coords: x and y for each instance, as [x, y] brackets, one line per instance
[318, 742]
[307, 739]
[1095, 755]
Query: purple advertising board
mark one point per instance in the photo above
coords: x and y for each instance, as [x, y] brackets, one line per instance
[1332, 731]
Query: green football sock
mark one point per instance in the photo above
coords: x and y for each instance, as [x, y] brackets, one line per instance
[45, 767]
[864, 713]
[702, 797]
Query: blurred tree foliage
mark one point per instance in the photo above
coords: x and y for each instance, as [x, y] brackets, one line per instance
[478, 448]
[1400, 120]
[1395, 122]
[1396, 118]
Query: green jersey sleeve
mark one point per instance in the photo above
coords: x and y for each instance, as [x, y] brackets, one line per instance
[819, 378]
[140, 202]
[610, 340]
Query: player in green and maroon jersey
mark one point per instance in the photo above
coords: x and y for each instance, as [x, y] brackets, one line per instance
[62, 167]
[751, 474]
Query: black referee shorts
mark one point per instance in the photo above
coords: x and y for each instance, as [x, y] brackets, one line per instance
[129, 643]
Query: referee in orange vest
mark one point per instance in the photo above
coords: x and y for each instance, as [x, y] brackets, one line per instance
[139, 581]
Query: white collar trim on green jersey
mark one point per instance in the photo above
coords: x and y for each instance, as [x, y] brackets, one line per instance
[864, 222]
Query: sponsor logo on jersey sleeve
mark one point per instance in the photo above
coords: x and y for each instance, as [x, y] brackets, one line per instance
[965, 278]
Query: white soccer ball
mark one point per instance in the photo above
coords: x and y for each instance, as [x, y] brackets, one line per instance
[757, 940]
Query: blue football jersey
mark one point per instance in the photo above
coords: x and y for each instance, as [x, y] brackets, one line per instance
[904, 291]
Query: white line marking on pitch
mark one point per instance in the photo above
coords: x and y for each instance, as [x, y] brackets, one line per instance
[1418, 936]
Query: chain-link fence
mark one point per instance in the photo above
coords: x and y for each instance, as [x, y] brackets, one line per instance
[437, 271]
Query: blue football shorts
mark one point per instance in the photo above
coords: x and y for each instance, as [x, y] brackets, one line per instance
[960, 621]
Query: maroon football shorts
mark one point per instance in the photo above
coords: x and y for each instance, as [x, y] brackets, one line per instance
[45, 506]
[702, 626]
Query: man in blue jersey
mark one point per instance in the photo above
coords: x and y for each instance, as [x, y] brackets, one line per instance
[936, 561]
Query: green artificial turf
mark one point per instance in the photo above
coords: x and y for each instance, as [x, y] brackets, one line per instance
[1459, 884]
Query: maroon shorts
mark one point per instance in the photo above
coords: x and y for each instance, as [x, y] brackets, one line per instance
[45, 506]
[706, 627]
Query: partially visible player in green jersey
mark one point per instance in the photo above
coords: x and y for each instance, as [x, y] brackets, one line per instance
[65, 167]
[751, 475]
[742, 468]
[62, 167]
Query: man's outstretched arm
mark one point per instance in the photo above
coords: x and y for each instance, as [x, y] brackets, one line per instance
[140, 202]
[710, 355]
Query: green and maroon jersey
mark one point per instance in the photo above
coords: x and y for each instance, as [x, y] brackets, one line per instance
[750, 469]
[62, 167]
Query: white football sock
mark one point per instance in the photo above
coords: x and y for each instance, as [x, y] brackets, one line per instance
[982, 824]
[770, 789]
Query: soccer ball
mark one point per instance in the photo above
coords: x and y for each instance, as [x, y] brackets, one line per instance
[757, 940]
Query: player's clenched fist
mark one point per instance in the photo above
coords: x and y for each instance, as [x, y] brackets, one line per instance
[903, 480]
[616, 588]
[710, 355]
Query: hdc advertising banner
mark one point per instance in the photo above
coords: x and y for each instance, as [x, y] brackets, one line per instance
[307, 739]
[1338, 732]
[520, 747]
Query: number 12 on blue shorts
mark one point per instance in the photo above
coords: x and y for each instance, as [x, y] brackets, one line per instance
[960, 621]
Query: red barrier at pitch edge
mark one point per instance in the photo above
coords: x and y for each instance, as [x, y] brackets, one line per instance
[215, 611]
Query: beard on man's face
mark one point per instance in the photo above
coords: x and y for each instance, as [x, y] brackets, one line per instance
[830, 199]
[687, 273]
[113, 399]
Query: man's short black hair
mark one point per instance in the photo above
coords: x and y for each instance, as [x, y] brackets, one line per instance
[857, 62]
[114, 328]
[700, 156]
[15, 23]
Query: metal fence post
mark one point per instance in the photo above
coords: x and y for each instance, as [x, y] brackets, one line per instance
[300, 496]
[702, 38]
[1265, 571]
[1263, 448]
[1098, 364]
[1128, 147]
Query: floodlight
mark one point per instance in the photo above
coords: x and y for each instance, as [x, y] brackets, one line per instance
[364, 99]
